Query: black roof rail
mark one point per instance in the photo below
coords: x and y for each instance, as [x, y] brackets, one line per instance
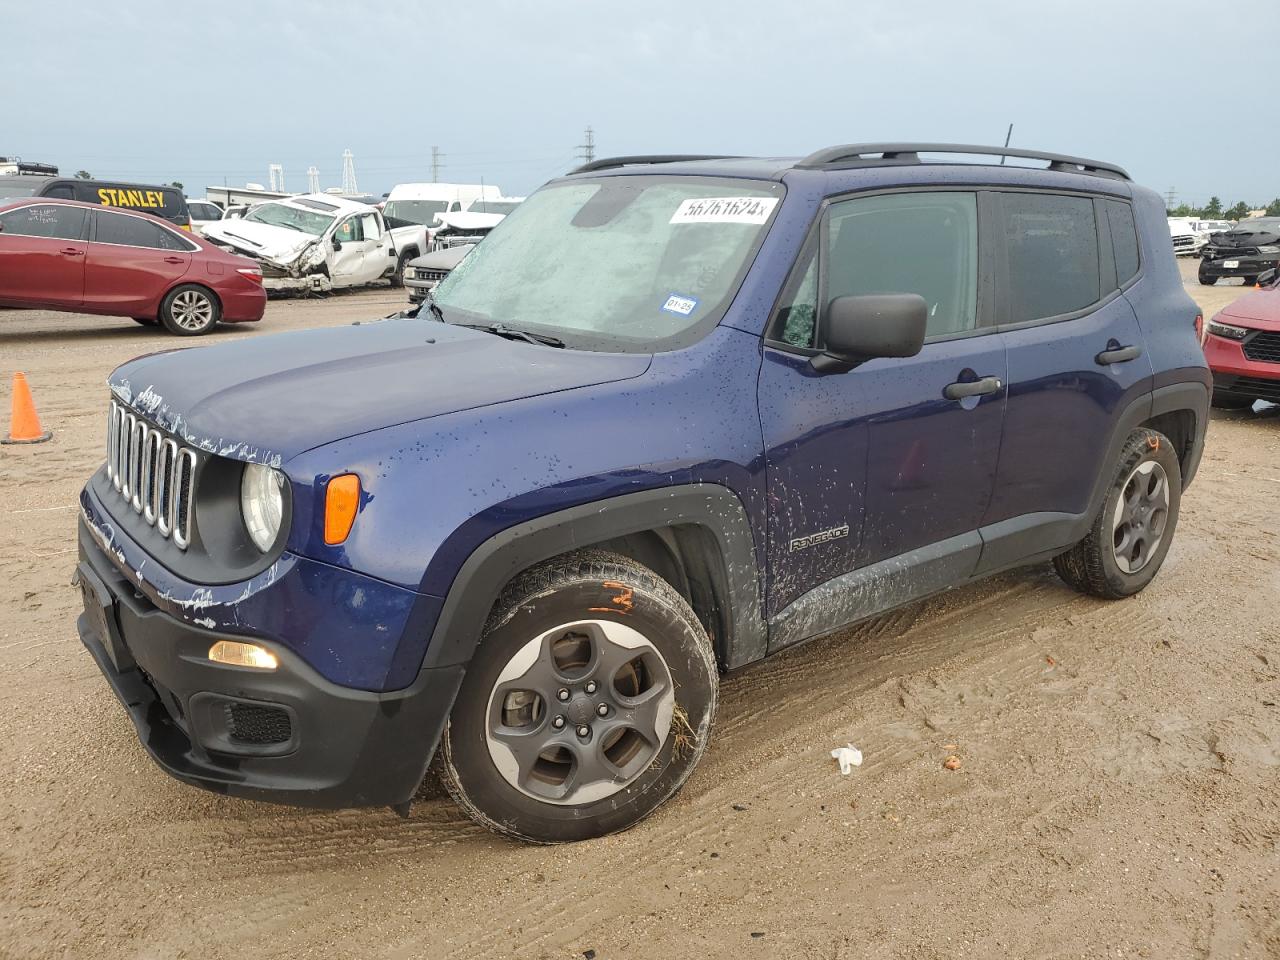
[609, 163]
[878, 154]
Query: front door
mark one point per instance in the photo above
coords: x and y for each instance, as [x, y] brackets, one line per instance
[363, 255]
[887, 469]
[42, 254]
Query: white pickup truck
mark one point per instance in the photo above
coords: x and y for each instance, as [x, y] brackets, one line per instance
[413, 212]
[311, 243]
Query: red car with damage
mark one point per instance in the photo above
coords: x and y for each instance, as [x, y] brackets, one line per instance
[83, 258]
[1242, 345]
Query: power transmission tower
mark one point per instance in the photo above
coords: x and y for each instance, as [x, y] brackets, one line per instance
[275, 172]
[435, 164]
[349, 185]
[1170, 198]
[313, 179]
[588, 148]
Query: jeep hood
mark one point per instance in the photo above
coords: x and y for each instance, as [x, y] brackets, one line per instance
[262, 240]
[268, 399]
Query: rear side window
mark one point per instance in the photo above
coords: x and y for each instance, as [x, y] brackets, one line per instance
[51, 222]
[205, 211]
[136, 232]
[1052, 248]
[1124, 239]
[924, 243]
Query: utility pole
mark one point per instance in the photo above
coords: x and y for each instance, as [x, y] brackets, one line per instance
[435, 164]
[349, 185]
[588, 147]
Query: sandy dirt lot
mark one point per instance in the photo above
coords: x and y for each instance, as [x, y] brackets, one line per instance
[1118, 794]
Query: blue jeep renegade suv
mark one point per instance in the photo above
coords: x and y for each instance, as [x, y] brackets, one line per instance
[673, 415]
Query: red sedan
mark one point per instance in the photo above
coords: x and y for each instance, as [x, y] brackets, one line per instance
[1242, 345]
[82, 258]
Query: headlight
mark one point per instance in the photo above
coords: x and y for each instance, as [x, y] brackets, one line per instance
[1228, 331]
[262, 503]
[1269, 248]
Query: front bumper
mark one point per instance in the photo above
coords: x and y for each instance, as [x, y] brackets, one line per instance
[286, 736]
[1245, 266]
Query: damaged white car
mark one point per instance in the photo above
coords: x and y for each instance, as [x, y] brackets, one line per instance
[311, 243]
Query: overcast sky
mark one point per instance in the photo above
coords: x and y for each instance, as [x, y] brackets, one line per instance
[159, 91]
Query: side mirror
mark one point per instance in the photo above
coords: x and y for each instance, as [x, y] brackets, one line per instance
[337, 244]
[874, 325]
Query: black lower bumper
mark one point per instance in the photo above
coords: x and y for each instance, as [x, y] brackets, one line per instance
[286, 735]
[1248, 387]
[1244, 267]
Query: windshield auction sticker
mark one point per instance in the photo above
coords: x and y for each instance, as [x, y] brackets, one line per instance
[724, 210]
[677, 303]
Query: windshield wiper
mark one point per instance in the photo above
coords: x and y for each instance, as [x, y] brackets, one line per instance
[435, 308]
[501, 330]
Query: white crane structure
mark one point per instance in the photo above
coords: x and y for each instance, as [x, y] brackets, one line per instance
[349, 185]
[275, 172]
[313, 179]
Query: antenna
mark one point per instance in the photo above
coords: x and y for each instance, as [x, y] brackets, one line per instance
[435, 164]
[588, 148]
[275, 174]
[1008, 135]
[349, 185]
[313, 179]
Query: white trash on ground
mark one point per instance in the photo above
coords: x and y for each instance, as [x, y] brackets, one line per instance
[849, 757]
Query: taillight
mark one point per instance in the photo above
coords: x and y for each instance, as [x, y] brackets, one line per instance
[1200, 334]
[251, 273]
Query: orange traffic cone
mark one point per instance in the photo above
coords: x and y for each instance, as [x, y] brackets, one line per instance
[24, 424]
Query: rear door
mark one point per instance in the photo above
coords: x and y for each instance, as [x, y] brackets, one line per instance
[42, 254]
[1076, 357]
[132, 263]
[886, 464]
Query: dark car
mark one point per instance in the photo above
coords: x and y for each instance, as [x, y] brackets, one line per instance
[673, 415]
[1248, 250]
[161, 201]
[63, 255]
[1242, 345]
[422, 274]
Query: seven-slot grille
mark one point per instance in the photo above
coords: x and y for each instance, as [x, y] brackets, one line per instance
[432, 275]
[152, 473]
[1263, 346]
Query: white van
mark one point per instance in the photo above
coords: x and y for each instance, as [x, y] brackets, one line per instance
[411, 211]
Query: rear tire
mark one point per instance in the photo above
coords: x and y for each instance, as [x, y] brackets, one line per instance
[1132, 532]
[588, 703]
[190, 310]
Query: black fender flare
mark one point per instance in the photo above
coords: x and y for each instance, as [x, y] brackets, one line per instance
[1192, 395]
[713, 507]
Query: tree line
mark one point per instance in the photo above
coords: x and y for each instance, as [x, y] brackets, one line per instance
[1213, 210]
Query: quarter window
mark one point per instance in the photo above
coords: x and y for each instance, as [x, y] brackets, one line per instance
[51, 222]
[1052, 248]
[923, 243]
[1124, 240]
[124, 230]
[799, 311]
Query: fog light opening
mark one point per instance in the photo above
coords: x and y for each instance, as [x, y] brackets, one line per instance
[238, 654]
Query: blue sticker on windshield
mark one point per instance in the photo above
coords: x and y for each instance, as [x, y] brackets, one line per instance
[680, 304]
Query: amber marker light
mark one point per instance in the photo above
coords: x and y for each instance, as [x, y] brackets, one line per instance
[238, 654]
[341, 501]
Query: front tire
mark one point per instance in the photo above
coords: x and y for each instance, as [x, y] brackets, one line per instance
[397, 278]
[190, 310]
[587, 704]
[1208, 281]
[1132, 532]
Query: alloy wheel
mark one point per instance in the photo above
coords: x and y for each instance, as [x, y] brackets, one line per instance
[1141, 512]
[191, 310]
[579, 712]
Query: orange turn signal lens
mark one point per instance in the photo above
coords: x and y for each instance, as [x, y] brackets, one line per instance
[243, 655]
[341, 501]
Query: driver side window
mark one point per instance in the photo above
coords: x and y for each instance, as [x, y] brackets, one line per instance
[923, 243]
[349, 230]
